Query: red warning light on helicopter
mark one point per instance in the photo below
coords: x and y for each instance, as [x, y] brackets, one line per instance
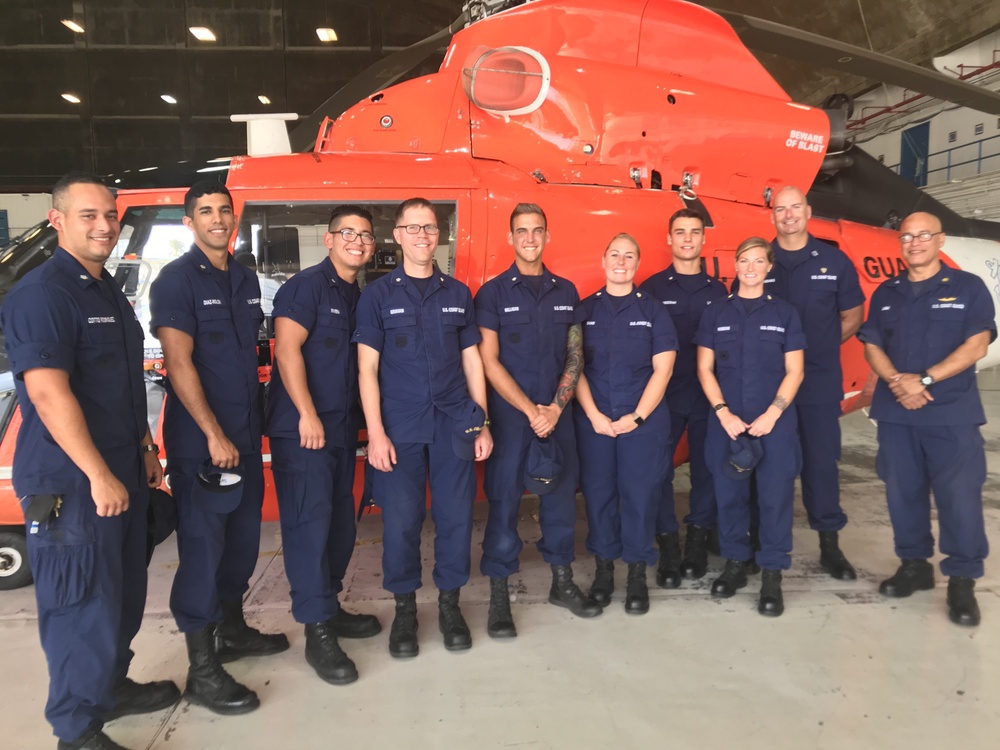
[386, 121]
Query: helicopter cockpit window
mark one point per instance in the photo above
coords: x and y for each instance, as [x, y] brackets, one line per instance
[281, 239]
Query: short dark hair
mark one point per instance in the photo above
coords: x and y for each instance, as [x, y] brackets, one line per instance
[527, 208]
[348, 210]
[409, 203]
[685, 213]
[68, 180]
[201, 189]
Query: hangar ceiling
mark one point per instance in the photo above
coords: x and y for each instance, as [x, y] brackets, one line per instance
[132, 52]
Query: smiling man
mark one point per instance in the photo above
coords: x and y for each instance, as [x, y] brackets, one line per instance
[206, 313]
[926, 330]
[821, 283]
[424, 396]
[312, 422]
[686, 291]
[83, 465]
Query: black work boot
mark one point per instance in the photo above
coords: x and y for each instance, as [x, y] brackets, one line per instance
[208, 684]
[695, 562]
[142, 698]
[403, 633]
[668, 569]
[325, 655]
[350, 625]
[93, 739]
[235, 639]
[636, 591]
[565, 593]
[962, 606]
[912, 575]
[771, 603]
[832, 559]
[604, 581]
[733, 578]
[457, 636]
[500, 622]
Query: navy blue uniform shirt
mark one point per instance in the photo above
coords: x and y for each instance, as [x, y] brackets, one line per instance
[61, 317]
[820, 282]
[532, 330]
[188, 296]
[684, 394]
[750, 351]
[618, 348]
[324, 304]
[918, 332]
[420, 342]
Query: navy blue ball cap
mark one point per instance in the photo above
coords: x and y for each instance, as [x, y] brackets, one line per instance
[745, 452]
[542, 466]
[467, 428]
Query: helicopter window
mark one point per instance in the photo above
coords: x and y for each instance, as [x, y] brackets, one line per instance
[283, 238]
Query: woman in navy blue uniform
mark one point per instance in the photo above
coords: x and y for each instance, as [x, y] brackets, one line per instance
[751, 363]
[622, 422]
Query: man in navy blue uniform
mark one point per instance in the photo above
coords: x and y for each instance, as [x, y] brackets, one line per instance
[83, 465]
[312, 422]
[926, 330]
[822, 285]
[424, 396]
[532, 352]
[685, 291]
[206, 313]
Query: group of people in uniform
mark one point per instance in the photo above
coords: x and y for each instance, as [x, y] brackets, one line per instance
[752, 375]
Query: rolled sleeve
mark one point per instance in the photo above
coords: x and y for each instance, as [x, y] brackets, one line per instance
[795, 337]
[486, 309]
[171, 304]
[369, 330]
[871, 330]
[40, 327]
[664, 332]
[849, 293]
[982, 313]
[469, 334]
[297, 300]
[706, 329]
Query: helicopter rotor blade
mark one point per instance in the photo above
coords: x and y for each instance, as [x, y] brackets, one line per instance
[376, 77]
[778, 39]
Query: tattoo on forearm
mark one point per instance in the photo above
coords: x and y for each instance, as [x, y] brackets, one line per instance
[574, 364]
[780, 402]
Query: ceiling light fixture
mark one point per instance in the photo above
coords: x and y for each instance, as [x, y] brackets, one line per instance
[326, 34]
[71, 98]
[168, 99]
[263, 99]
[72, 25]
[202, 33]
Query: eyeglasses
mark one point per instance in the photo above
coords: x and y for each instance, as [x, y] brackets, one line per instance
[923, 236]
[349, 235]
[415, 228]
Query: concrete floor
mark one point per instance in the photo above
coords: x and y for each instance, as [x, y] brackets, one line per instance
[843, 668]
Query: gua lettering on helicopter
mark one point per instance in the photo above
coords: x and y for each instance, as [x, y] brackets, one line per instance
[880, 267]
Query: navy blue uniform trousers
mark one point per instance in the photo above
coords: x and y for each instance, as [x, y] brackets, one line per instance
[401, 494]
[950, 461]
[318, 530]
[701, 510]
[819, 433]
[622, 480]
[775, 478]
[504, 485]
[90, 585]
[218, 551]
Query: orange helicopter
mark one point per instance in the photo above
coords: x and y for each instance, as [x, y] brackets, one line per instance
[609, 116]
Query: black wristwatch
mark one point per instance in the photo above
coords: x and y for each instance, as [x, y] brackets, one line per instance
[637, 419]
[151, 448]
[926, 378]
[720, 406]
